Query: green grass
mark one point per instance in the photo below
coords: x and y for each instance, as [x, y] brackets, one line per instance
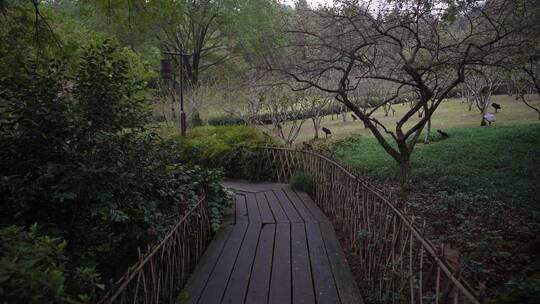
[452, 113]
[501, 162]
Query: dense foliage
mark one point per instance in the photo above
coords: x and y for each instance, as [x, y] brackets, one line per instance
[31, 266]
[75, 159]
[225, 147]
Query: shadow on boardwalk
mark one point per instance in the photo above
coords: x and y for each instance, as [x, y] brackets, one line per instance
[275, 247]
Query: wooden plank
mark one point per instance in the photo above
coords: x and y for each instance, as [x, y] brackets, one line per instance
[239, 280]
[323, 279]
[217, 282]
[241, 215]
[280, 283]
[276, 208]
[260, 275]
[287, 206]
[254, 215]
[228, 217]
[266, 213]
[299, 205]
[302, 284]
[312, 207]
[197, 281]
[346, 285]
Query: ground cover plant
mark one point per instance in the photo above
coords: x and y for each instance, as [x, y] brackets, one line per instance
[476, 189]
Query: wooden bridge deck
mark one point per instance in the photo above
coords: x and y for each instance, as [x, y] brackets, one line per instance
[276, 247]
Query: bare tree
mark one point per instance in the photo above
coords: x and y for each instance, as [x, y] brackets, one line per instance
[198, 98]
[480, 84]
[524, 87]
[522, 64]
[525, 66]
[465, 93]
[286, 109]
[314, 104]
[242, 99]
[412, 44]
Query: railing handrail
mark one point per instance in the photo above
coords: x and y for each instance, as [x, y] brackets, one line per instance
[132, 271]
[460, 283]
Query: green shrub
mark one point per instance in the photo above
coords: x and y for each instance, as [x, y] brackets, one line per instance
[31, 266]
[223, 146]
[302, 181]
[32, 269]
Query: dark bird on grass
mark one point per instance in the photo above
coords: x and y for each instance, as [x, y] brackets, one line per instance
[326, 131]
[354, 117]
[496, 106]
[443, 134]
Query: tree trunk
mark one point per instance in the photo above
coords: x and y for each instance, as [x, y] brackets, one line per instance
[405, 168]
[316, 127]
[428, 131]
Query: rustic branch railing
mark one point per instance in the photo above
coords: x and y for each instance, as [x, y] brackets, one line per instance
[160, 274]
[397, 263]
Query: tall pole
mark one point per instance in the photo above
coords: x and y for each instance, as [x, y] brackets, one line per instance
[183, 125]
[182, 113]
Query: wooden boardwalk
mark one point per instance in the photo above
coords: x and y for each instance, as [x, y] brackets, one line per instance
[275, 247]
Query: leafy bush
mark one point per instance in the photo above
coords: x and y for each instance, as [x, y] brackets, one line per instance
[75, 158]
[302, 181]
[222, 146]
[32, 267]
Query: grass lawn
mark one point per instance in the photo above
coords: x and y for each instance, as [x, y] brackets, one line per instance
[450, 114]
[502, 162]
[478, 189]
